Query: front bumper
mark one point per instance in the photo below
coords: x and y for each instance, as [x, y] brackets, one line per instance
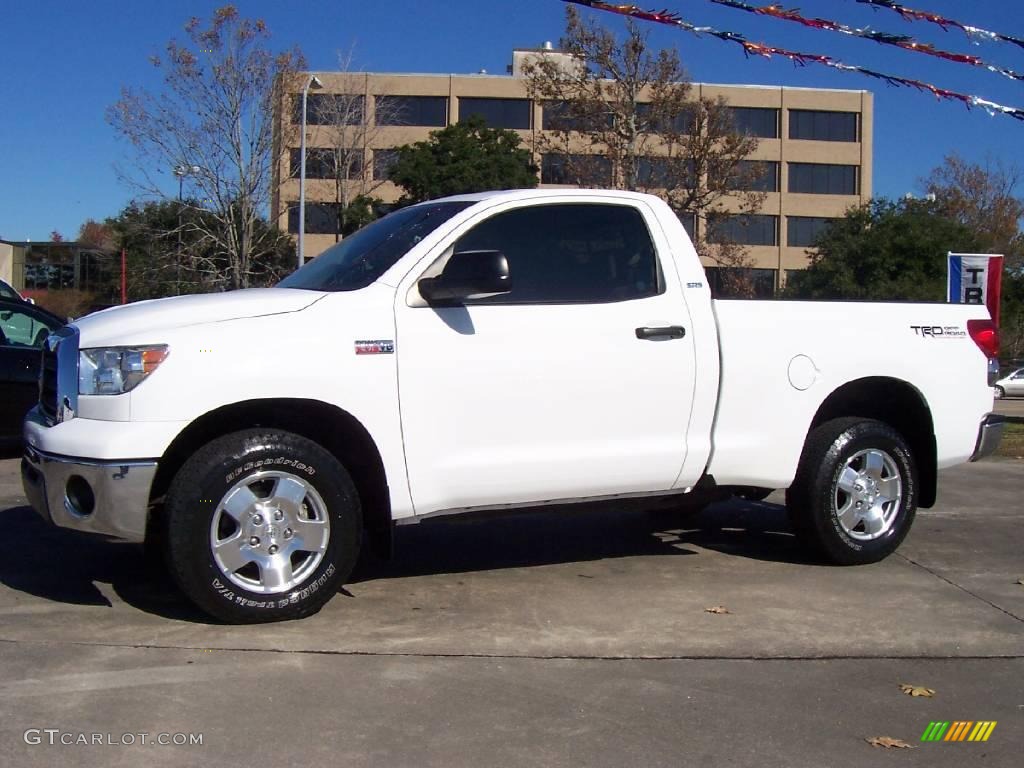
[989, 434]
[107, 497]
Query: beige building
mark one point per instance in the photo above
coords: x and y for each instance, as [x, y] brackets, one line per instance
[816, 144]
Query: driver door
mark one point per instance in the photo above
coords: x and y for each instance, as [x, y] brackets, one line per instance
[548, 392]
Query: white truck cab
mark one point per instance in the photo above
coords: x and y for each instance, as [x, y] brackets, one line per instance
[488, 351]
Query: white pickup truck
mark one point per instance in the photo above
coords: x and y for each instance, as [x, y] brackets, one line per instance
[490, 351]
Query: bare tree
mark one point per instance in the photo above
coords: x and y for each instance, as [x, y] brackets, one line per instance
[345, 131]
[618, 114]
[213, 119]
[985, 197]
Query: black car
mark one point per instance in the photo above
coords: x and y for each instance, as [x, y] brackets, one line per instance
[23, 329]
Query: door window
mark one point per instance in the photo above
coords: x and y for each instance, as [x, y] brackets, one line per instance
[570, 253]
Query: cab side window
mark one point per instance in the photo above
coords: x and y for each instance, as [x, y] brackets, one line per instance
[570, 253]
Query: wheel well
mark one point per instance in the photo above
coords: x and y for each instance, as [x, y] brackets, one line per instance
[329, 426]
[899, 405]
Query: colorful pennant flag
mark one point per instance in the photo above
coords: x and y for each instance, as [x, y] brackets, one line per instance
[673, 19]
[905, 42]
[975, 33]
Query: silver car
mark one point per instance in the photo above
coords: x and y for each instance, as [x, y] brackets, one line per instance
[1010, 385]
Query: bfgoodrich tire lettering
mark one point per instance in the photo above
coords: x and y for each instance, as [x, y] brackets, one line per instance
[262, 525]
[854, 497]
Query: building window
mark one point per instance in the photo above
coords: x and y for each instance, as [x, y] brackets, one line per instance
[822, 126]
[755, 176]
[664, 172]
[689, 222]
[497, 113]
[321, 218]
[682, 122]
[581, 170]
[320, 163]
[574, 253]
[804, 231]
[756, 121]
[426, 111]
[383, 160]
[329, 109]
[558, 116]
[741, 282]
[744, 229]
[823, 179]
[654, 172]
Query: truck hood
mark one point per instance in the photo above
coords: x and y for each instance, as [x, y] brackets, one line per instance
[117, 324]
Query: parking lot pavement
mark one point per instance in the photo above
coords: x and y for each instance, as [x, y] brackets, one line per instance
[1010, 406]
[546, 638]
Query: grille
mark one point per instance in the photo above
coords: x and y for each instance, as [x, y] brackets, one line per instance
[48, 382]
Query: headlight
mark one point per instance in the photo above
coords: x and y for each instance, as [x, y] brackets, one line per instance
[115, 370]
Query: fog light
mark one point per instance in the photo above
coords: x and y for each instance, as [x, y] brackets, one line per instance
[78, 496]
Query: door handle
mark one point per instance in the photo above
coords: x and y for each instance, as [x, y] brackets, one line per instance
[671, 331]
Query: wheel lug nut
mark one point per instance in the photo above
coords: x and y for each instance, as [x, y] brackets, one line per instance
[254, 541]
[279, 515]
[272, 549]
[859, 504]
[288, 533]
[258, 519]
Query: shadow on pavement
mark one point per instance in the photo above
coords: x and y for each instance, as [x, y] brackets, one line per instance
[64, 566]
[753, 530]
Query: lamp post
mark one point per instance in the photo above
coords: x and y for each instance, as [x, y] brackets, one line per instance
[181, 171]
[313, 82]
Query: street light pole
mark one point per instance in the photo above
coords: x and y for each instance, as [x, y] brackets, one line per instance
[181, 171]
[313, 82]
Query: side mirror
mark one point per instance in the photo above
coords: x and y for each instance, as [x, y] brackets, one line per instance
[468, 275]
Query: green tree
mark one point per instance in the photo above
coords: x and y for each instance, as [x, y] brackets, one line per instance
[884, 251]
[462, 158]
[165, 259]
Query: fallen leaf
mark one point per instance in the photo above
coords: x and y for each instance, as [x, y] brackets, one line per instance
[917, 690]
[1020, 581]
[717, 609]
[888, 742]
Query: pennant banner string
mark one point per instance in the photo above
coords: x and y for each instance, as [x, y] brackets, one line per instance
[976, 34]
[802, 59]
[905, 42]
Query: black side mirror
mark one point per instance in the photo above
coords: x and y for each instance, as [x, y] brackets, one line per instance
[468, 275]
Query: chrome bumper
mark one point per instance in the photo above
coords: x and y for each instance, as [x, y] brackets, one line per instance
[989, 435]
[108, 497]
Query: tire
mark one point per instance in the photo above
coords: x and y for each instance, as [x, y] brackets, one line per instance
[1000, 393]
[845, 462]
[752, 492]
[283, 516]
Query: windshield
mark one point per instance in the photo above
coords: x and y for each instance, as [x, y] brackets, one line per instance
[361, 258]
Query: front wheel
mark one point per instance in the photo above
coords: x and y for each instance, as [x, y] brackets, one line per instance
[262, 525]
[855, 493]
[1000, 393]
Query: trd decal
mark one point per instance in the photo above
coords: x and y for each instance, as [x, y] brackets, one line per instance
[939, 331]
[375, 347]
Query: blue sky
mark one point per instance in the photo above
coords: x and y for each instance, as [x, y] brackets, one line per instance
[63, 63]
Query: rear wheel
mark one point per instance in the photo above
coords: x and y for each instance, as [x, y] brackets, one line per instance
[262, 525]
[855, 493]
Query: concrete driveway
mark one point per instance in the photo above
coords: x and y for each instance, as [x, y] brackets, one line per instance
[544, 639]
